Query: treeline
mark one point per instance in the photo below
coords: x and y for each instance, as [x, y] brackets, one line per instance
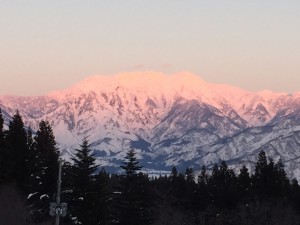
[28, 181]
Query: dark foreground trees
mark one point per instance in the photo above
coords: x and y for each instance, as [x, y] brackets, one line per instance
[133, 196]
[29, 166]
[16, 145]
[220, 196]
[43, 164]
[88, 198]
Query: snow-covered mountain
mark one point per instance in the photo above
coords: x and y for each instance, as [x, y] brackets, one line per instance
[170, 120]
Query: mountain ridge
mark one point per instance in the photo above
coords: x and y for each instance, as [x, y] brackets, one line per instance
[176, 120]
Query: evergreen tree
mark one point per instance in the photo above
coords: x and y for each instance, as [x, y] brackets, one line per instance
[203, 176]
[244, 183]
[67, 190]
[244, 180]
[104, 196]
[202, 194]
[3, 152]
[189, 198]
[34, 182]
[44, 171]
[46, 147]
[260, 178]
[223, 186]
[264, 178]
[215, 174]
[84, 194]
[131, 165]
[177, 187]
[1, 128]
[295, 194]
[261, 164]
[18, 151]
[281, 180]
[30, 140]
[134, 196]
[31, 162]
[189, 175]
[174, 174]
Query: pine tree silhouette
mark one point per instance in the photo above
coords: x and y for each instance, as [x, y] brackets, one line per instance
[44, 171]
[18, 151]
[84, 186]
[133, 193]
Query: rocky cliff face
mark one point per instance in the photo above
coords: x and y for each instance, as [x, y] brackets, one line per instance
[170, 120]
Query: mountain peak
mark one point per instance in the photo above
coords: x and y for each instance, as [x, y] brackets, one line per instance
[147, 81]
[156, 85]
[171, 119]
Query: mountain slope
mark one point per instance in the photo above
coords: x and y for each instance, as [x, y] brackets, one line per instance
[170, 119]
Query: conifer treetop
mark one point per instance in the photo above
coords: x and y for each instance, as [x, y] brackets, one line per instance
[131, 165]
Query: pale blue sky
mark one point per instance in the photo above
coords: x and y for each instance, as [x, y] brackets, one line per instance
[48, 45]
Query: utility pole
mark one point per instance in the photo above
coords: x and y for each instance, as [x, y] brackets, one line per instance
[58, 192]
[58, 209]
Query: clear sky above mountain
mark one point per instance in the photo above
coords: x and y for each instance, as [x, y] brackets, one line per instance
[50, 45]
